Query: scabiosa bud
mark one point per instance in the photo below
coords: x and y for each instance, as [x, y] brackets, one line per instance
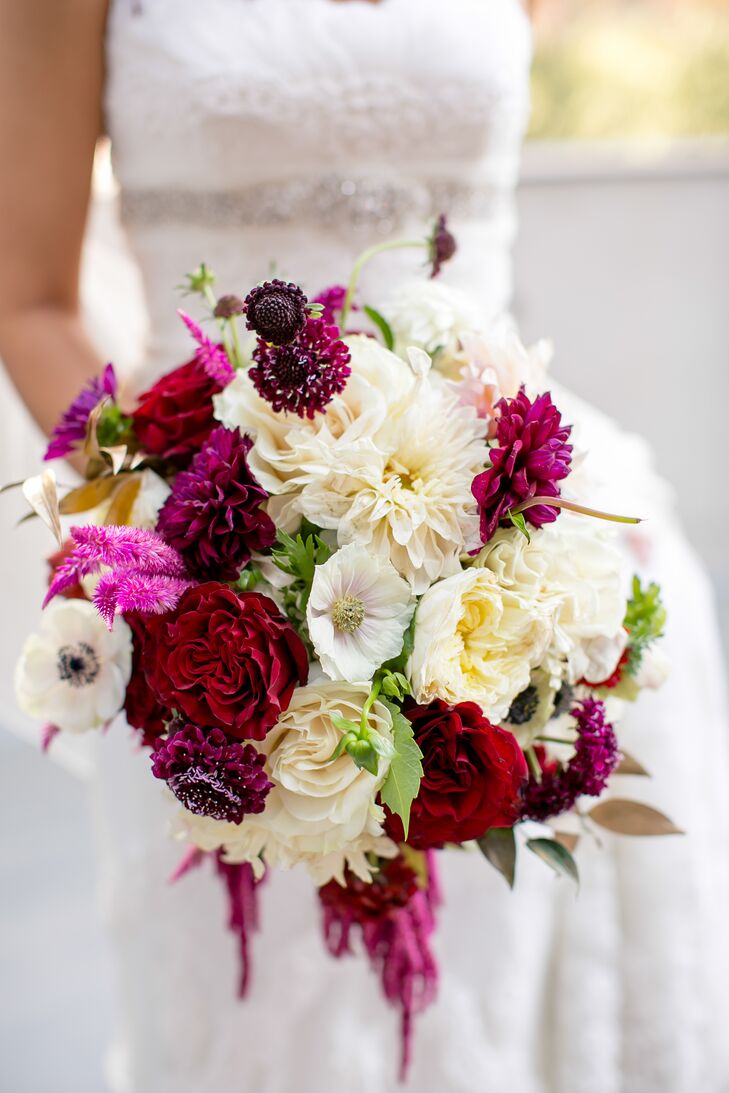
[441, 246]
[530, 457]
[276, 310]
[229, 306]
[210, 775]
[305, 376]
[213, 515]
[587, 773]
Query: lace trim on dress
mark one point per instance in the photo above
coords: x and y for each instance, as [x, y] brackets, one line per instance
[328, 202]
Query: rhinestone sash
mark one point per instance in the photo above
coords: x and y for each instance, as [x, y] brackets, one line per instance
[332, 202]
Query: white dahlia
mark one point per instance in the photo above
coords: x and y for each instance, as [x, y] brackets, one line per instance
[429, 314]
[358, 612]
[73, 672]
[415, 506]
[476, 641]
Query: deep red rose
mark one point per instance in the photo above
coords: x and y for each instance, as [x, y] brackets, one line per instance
[174, 417]
[473, 773]
[141, 706]
[226, 659]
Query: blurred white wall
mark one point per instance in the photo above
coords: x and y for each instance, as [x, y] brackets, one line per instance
[623, 260]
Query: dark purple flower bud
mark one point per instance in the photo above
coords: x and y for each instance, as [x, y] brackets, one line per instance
[276, 311]
[442, 246]
[229, 306]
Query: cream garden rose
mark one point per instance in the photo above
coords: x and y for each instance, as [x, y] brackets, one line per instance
[476, 641]
[576, 572]
[319, 813]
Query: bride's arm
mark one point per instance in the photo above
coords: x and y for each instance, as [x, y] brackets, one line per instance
[51, 79]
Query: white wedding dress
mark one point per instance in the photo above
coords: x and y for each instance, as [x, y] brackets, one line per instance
[288, 134]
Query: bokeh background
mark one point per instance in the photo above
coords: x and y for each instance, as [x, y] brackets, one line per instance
[622, 259]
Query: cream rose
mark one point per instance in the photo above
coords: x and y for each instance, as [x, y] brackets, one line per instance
[319, 813]
[476, 641]
[576, 572]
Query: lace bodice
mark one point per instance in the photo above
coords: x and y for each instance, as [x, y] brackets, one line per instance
[253, 132]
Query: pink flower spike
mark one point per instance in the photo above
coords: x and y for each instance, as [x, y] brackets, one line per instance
[189, 861]
[48, 735]
[119, 546]
[210, 354]
[147, 593]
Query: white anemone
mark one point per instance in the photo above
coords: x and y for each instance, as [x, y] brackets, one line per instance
[73, 672]
[358, 612]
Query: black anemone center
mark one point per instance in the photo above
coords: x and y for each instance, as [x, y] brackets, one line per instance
[78, 664]
[524, 706]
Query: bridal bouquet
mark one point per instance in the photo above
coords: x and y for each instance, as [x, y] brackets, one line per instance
[339, 574]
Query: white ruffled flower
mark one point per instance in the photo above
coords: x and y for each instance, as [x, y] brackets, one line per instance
[484, 367]
[476, 641]
[290, 452]
[358, 612]
[429, 314]
[576, 571]
[415, 506]
[319, 813]
[73, 672]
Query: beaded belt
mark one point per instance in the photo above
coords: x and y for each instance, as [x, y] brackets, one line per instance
[332, 202]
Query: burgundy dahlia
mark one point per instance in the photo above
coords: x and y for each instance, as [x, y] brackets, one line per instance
[305, 376]
[71, 429]
[276, 311]
[210, 775]
[530, 457]
[175, 416]
[587, 773]
[213, 515]
[441, 246]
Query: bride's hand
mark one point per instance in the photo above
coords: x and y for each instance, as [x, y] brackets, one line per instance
[51, 78]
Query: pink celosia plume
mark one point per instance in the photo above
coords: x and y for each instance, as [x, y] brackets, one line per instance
[144, 574]
[211, 354]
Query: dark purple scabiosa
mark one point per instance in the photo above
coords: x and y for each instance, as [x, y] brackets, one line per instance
[276, 310]
[213, 516]
[305, 376]
[71, 429]
[441, 246]
[587, 773]
[210, 775]
[530, 457]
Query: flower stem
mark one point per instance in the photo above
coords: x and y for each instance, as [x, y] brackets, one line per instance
[237, 352]
[573, 506]
[531, 758]
[362, 261]
[554, 740]
[371, 699]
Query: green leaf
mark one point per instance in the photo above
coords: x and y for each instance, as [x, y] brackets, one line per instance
[645, 619]
[382, 325]
[393, 684]
[406, 769]
[342, 746]
[381, 745]
[499, 846]
[517, 519]
[556, 855]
